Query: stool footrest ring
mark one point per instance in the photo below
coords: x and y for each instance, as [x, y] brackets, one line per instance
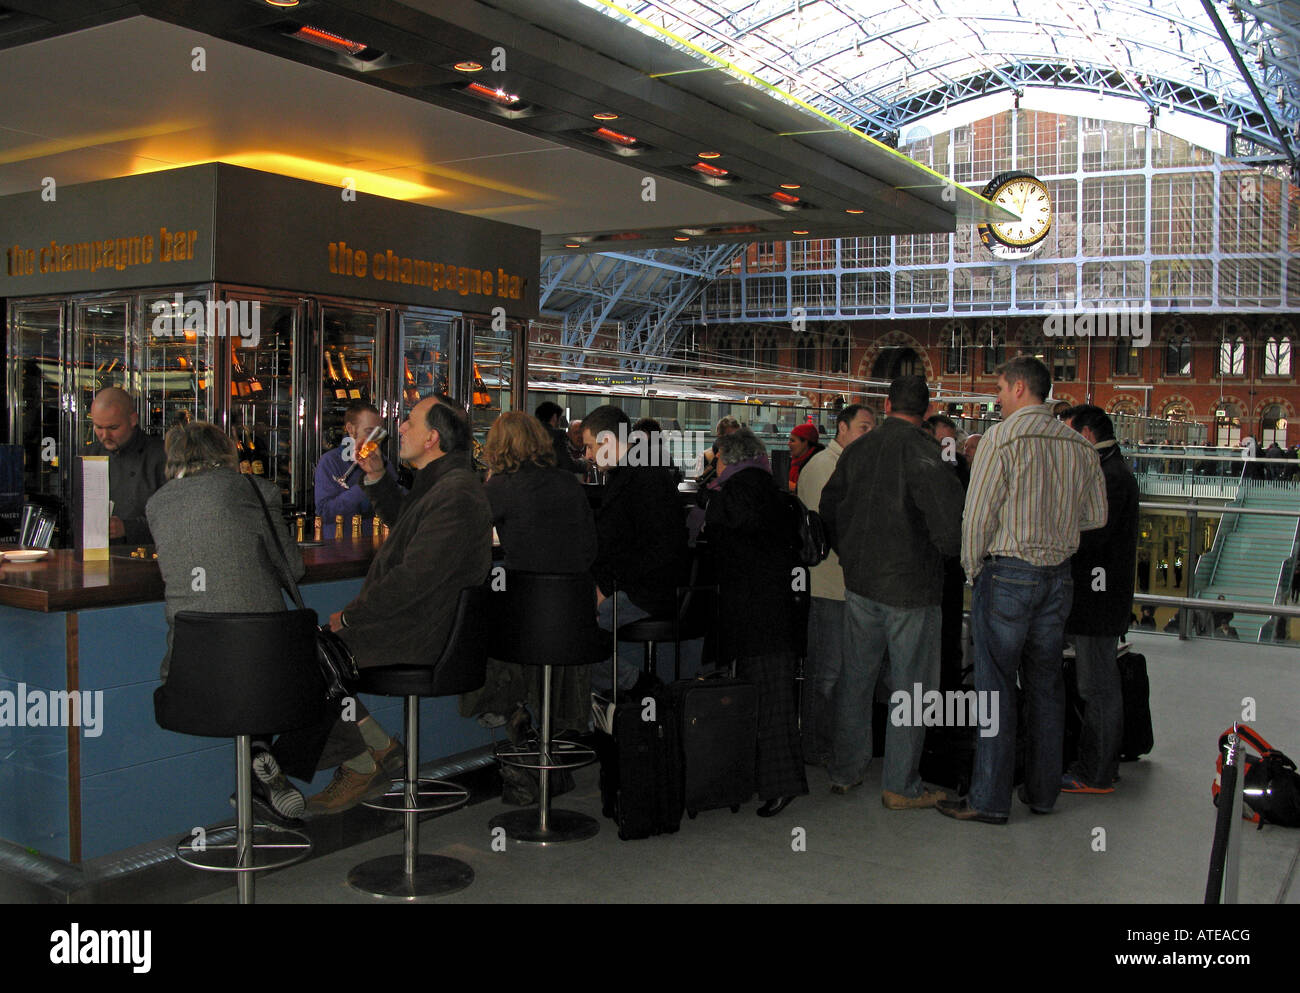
[562, 755]
[299, 848]
[394, 801]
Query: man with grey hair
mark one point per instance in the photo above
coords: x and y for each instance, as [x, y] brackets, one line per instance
[826, 587]
[136, 464]
[892, 510]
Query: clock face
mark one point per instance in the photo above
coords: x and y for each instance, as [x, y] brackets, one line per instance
[1027, 197]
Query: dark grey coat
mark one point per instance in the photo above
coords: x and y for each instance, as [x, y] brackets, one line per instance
[212, 522]
[441, 543]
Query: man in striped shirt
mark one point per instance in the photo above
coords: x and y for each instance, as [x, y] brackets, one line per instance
[1035, 485]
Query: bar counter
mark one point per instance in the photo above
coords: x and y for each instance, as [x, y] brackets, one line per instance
[113, 779]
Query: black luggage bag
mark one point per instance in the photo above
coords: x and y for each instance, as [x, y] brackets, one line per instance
[640, 765]
[718, 722]
[1135, 689]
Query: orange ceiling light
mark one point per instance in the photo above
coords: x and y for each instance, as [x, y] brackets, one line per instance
[798, 232]
[615, 137]
[854, 210]
[680, 237]
[468, 66]
[710, 155]
[786, 198]
[492, 94]
[712, 171]
[605, 115]
[328, 40]
[789, 186]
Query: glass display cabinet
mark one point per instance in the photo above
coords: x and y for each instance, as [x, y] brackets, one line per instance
[276, 371]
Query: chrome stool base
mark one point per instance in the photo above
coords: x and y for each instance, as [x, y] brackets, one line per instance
[525, 826]
[434, 875]
[297, 844]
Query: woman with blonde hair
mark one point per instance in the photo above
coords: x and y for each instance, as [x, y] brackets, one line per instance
[207, 521]
[544, 522]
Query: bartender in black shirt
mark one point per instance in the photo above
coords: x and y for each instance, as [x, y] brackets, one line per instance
[135, 464]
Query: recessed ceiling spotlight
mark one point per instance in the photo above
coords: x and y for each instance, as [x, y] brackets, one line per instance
[789, 186]
[798, 232]
[571, 244]
[468, 66]
[282, 3]
[853, 210]
[710, 155]
[680, 237]
[605, 115]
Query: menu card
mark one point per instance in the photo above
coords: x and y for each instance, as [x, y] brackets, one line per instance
[94, 507]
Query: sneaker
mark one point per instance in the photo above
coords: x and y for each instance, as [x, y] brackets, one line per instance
[840, 790]
[1071, 783]
[392, 760]
[347, 789]
[274, 788]
[896, 801]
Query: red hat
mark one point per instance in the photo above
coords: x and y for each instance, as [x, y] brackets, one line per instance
[808, 432]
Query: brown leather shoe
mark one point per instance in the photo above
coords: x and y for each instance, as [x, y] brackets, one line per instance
[392, 759]
[348, 789]
[896, 801]
[961, 810]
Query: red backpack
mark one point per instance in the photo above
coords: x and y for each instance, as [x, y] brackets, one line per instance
[1271, 788]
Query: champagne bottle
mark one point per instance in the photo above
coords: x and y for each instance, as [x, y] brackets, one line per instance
[332, 382]
[257, 455]
[482, 398]
[338, 527]
[239, 385]
[245, 455]
[410, 392]
[353, 388]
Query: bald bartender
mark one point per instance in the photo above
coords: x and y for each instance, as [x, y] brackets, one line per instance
[135, 464]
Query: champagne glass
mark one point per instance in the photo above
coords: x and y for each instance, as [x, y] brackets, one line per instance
[364, 451]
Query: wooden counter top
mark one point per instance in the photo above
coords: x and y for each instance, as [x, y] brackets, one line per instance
[62, 581]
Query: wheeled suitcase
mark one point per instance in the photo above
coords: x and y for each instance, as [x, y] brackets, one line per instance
[640, 765]
[1138, 736]
[718, 722]
[1135, 691]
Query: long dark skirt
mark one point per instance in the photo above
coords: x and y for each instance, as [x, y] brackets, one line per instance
[779, 765]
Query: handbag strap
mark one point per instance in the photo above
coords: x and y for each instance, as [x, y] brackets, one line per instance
[286, 574]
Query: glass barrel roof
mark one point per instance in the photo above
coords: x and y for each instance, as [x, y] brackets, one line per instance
[867, 63]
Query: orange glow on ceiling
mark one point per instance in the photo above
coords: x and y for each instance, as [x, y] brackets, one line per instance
[325, 173]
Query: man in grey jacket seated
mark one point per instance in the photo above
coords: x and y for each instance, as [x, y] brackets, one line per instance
[441, 542]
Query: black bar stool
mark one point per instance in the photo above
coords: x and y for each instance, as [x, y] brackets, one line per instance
[552, 623]
[233, 676]
[460, 668]
[696, 617]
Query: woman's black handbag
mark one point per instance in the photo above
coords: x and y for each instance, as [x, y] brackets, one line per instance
[337, 666]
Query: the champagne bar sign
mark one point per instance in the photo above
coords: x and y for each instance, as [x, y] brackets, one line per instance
[224, 224]
[119, 253]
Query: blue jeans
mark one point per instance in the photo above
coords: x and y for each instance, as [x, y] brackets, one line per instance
[911, 635]
[821, 674]
[1102, 736]
[1019, 612]
[631, 658]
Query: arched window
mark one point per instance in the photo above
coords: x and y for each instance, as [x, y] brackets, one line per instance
[1232, 356]
[1277, 356]
[991, 338]
[1128, 358]
[767, 352]
[1227, 425]
[840, 346]
[805, 352]
[1178, 355]
[956, 349]
[1273, 426]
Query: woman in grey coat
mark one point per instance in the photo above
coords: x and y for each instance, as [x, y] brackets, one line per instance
[217, 556]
